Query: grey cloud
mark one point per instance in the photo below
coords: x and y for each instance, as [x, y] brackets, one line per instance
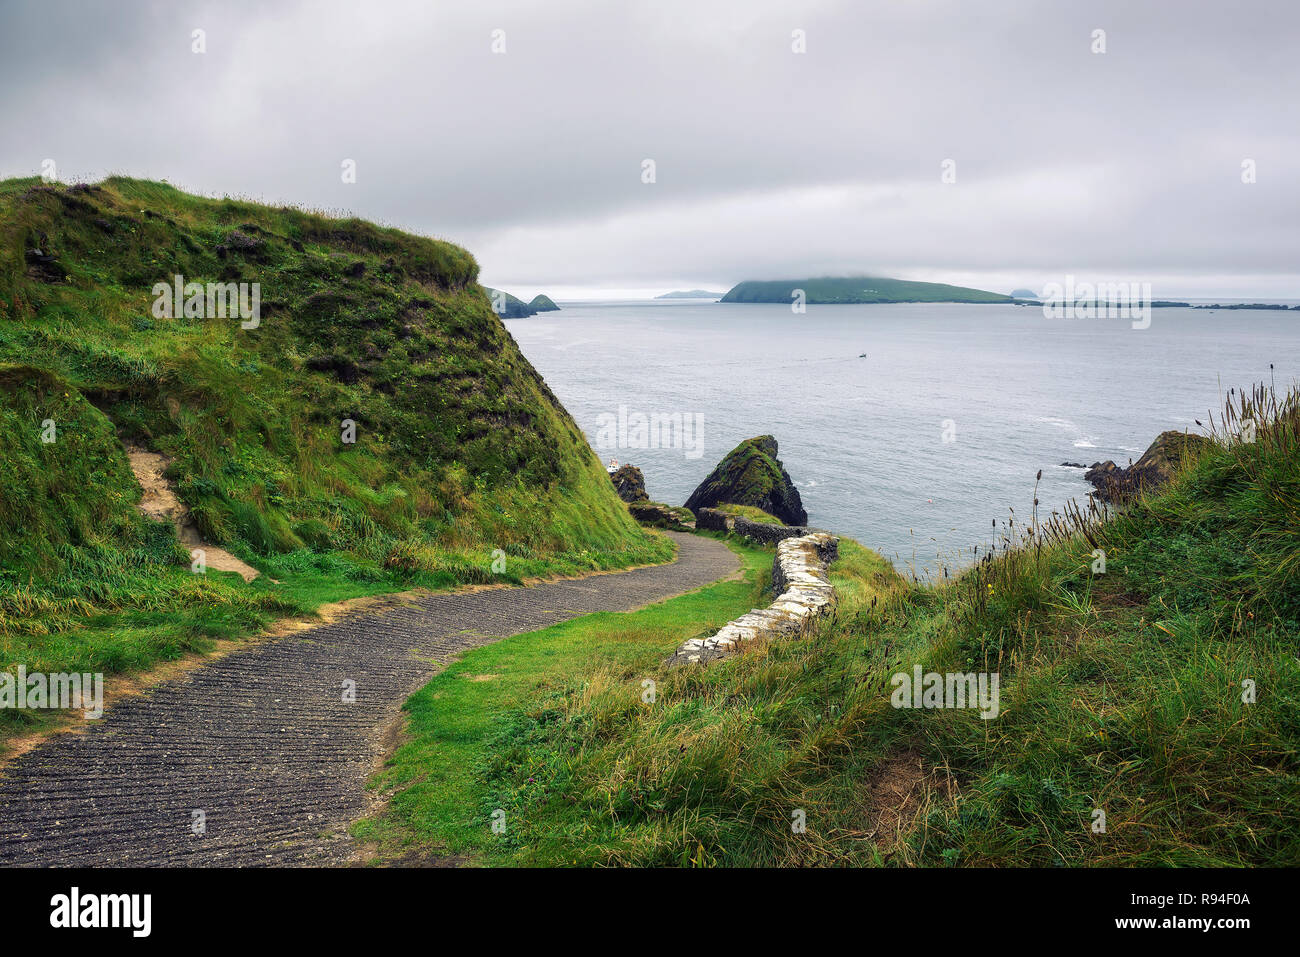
[769, 163]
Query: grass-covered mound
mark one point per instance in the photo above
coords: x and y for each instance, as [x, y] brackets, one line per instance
[751, 474]
[1162, 690]
[464, 467]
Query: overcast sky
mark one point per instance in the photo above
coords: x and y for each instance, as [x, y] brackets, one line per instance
[1126, 164]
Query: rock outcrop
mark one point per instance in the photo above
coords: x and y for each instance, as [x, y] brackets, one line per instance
[629, 483]
[542, 303]
[804, 595]
[751, 474]
[1158, 465]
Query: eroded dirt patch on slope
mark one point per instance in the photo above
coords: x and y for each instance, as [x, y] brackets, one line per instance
[160, 503]
[900, 791]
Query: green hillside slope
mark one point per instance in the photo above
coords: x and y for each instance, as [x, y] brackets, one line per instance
[461, 457]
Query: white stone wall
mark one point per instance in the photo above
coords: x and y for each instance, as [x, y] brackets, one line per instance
[806, 595]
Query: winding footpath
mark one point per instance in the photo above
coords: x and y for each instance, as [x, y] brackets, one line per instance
[262, 742]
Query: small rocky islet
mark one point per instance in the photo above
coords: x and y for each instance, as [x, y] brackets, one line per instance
[750, 476]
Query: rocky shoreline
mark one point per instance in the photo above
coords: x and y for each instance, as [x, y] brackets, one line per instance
[1165, 456]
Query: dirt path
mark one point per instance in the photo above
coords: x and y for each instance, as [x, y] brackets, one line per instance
[160, 502]
[262, 742]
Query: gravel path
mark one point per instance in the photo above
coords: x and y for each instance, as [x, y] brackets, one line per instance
[262, 743]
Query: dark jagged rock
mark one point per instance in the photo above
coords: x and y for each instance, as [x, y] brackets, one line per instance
[1158, 465]
[629, 483]
[751, 474]
[42, 264]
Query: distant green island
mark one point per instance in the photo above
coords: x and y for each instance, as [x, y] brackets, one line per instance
[690, 294]
[512, 307]
[856, 289]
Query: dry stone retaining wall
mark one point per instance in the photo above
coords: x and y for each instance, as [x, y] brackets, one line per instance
[804, 595]
[712, 519]
[765, 533]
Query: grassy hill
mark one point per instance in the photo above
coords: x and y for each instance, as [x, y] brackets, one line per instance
[462, 455]
[858, 289]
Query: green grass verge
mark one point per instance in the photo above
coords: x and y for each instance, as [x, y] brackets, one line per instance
[444, 796]
[538, 725]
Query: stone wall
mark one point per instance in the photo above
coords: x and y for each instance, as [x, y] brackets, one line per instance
[658, 515]
[712, 520]
[804, 596]
[766, 534]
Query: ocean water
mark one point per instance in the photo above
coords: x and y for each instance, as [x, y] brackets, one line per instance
[861, 399]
